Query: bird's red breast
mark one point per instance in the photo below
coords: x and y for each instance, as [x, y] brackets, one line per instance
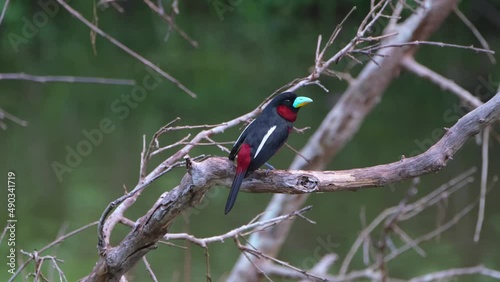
[244, 158]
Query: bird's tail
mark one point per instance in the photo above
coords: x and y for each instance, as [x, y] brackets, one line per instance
[235, 188]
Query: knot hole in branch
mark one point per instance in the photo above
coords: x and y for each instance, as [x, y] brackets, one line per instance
[308, 183]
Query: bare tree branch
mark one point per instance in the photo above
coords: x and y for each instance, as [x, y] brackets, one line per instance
[149, 229]
[170, 21]
[415, 208]
[476, 32]
[125, 48]
[243, 230]
[454, 272]
[370, 49]
[4, 9]
[150, 270]
[56, 242]
[484, 182]
[446, 84]
[282, 271]
[4, 114]
[68, 79]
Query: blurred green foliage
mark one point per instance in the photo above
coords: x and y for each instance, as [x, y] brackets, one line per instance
[242, 57]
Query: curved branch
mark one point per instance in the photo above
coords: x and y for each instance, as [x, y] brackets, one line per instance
[201, 176]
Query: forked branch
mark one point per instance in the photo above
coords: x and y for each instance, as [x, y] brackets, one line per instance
[201, 176]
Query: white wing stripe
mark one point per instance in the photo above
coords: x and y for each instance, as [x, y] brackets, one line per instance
[269, 132]
[239, 137]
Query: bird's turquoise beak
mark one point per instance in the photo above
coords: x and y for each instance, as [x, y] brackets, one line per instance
[301, 101]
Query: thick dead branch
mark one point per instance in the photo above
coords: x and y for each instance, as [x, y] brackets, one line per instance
[201, 176]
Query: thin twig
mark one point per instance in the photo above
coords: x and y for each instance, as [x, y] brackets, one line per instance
[171, 21]
[60, 233]
[408, 240]
[68, 79]
[57, 241]
[416, 207]
[149, 269]
[259, 270]
[4, 114]
[475, 31]
[240, 231]
[4, 10]
[453, 221]
[484, 182]
[125, 48]
[296, 152]
[39, 260]
[259, 254]
[418, 42]
[410, 64]
[446, 275]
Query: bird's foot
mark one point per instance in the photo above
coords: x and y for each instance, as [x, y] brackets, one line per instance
[270, 167]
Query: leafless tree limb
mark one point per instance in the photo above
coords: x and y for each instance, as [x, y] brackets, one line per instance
[484, 182]
[343, 121]
[4, 114]
[150, 270]
[149, 229]
[324, 264]
[68, 79]
[450, 273]
[4, 9]
[409, 211]
[125, 48]
[258, 254]
[371, 49]
[282, 271]
[56, 242]
[476, 32]
[446, 84]
[39, 260]
[434, 233]
[243, 230]
[170, 21]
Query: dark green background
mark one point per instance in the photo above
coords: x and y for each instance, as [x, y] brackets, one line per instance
[242, 57]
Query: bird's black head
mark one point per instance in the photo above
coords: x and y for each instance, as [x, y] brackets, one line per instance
[287, 105]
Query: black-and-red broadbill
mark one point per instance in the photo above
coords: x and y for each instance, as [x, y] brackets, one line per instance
[263, 137]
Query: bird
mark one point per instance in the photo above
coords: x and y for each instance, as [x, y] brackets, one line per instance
[263, 137]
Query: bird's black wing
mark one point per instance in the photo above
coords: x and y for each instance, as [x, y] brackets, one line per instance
[268, 140]
[239, 141]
